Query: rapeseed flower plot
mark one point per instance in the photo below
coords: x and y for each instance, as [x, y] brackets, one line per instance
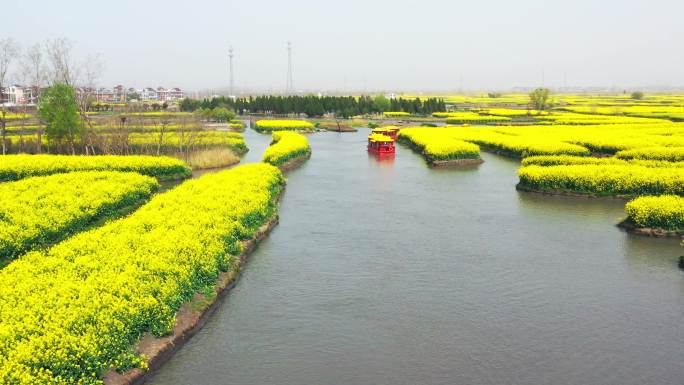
[72, 312]
[172, 141]
[555, 160]
[15, 167]
[283, 125]
[396, 114]
[41, 210]
[604, 179]
[662, 212]
[438, 144]
[285, 147]
[670, 154]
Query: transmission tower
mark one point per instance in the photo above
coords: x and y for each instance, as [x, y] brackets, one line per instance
[230, 65]
[288, 84]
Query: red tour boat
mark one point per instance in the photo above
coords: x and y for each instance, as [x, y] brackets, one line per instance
[380, 144]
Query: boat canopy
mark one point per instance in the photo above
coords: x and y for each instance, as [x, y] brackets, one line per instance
[379, 138]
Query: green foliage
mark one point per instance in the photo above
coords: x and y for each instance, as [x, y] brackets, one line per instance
[217, 114]
[637, 95]
[58, 109]
[189, 105]
[222, 114]
[132, 96]
[382, 104]
[540, 99]
[312, 105]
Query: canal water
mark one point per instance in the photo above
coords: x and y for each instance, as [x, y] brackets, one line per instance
[389, 272]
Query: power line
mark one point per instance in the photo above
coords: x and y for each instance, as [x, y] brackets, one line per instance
[230, 60]
[288, 84]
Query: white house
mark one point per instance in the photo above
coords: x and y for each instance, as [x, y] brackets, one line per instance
[148, 93]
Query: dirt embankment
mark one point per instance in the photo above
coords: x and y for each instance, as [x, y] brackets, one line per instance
[336, 127]
[630, 227]
[189, 319]
[294, 163]
[455, 162]
[522, 187]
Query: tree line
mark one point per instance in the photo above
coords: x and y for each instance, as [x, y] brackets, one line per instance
[315, 106]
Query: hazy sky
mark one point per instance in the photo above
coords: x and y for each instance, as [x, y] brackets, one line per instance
[367, 44]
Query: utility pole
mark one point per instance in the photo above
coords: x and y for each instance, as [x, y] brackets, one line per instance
[288, 84]
[230, 61]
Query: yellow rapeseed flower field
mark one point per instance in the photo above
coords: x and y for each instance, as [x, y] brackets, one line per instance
[15, 167]
[662, 212]
[436, 144]
[604, 179]
[40, 210]
[283, 125]
[286, 146]
[72, 312]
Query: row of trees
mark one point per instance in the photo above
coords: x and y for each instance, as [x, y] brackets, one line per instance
[342, 106]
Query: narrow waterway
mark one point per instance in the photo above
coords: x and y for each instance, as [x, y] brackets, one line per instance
[389, 272]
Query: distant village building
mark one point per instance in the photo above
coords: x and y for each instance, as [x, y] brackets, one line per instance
[16, 94]
[120, 94]
[175, 93]
[148, 94]
[104, 95]
[22, 95]
[162, 94]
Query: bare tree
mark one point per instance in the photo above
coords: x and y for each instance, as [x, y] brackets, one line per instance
[35, 73]
[33, 65]
[61, 66]
[9, 50]
[91, 69]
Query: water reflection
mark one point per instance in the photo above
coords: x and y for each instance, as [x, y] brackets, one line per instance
[381, 159]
